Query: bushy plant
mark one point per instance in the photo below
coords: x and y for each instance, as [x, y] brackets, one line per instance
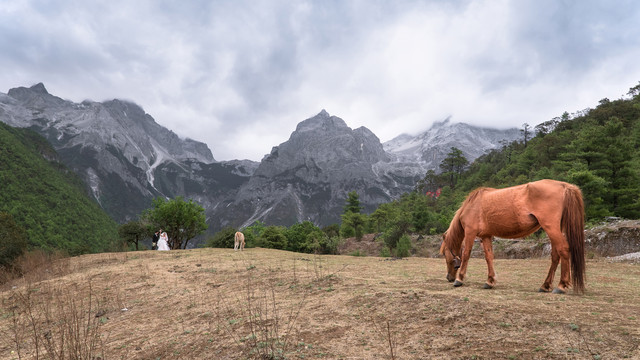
[404, 246]
[252, 234]
[385, 252]
[222, 239]
[273, 237]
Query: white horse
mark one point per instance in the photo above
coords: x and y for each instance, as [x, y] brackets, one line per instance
[239, 241]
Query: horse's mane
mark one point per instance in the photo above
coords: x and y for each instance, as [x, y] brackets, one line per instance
[454, 235]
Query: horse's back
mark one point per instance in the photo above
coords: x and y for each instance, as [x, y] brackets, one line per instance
[514, 211]
[547, 196]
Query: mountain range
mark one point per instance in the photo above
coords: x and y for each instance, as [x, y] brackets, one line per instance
[127, 159]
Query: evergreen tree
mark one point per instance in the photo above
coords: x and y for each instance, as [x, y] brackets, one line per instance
[353, 203]
[453, 165]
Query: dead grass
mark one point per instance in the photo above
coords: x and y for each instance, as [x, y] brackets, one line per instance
[268, 304]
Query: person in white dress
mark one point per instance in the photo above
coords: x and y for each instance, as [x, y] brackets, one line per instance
[163, 242]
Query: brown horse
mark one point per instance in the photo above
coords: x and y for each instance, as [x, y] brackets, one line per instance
[556, 207]
[238, 241]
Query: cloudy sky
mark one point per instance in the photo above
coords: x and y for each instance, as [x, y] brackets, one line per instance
[240, 74]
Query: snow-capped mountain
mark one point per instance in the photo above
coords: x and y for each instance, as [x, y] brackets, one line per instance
[428, 149]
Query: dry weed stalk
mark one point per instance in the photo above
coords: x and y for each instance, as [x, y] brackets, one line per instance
[257, 312]
[54, 323]
[389, 340]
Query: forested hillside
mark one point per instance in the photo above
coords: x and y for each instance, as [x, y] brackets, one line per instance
[46, 200]
[597, 149]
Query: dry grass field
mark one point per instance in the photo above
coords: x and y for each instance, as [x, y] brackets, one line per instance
[269, 304]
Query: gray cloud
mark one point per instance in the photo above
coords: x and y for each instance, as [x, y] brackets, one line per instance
[246, 72]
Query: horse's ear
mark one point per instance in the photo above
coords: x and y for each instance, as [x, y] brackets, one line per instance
[442, 248]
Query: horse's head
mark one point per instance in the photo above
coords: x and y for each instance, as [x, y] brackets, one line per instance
[453, 261]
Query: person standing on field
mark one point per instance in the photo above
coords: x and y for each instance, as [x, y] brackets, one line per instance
[154, 240]
[163, 242]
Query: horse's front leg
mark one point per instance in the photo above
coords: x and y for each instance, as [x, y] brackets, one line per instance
[466, 254]
[487, 246]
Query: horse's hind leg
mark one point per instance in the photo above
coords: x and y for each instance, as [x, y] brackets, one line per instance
[559, 253]
[555, 258]
[487, 246]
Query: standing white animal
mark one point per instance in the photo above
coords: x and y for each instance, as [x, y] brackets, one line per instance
[239, 241]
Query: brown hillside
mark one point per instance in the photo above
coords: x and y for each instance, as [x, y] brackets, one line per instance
[221, 304]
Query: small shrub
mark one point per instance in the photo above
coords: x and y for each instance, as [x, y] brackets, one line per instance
[404, 246]
[385, 252]
[222, 239]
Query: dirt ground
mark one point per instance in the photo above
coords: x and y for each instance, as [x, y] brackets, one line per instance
[269, 304]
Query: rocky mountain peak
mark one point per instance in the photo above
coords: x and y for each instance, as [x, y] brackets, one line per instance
[39, 88]
[321, 122]
[36, 97]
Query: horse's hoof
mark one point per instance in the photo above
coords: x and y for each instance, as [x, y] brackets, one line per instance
[558, 291]
[543, 290]
[457, 283]
[487, 286]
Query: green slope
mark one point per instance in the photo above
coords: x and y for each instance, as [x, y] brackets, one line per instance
[48, 200]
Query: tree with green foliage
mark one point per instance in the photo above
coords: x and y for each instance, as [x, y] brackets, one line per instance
[181, 220]
[297, 236]
[273, 237]
[132, 232]
[403, 248]
[353, 225]
[430, 182]
[13, 240]
[382, 216]
[453, 165]
[332, 230]
[352, 220]
[307, 237]
[223, 239]
[353, 203]
[252, 233]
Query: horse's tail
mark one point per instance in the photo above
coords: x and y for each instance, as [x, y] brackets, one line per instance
[572, 224]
